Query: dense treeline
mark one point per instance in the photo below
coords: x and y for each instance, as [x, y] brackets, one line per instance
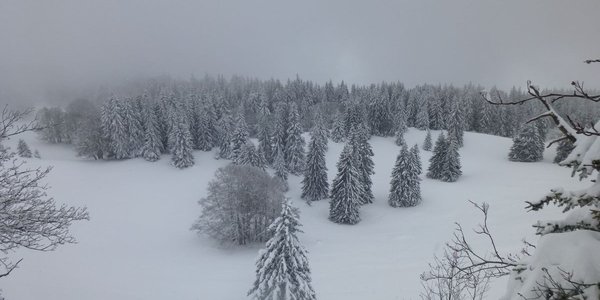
[161, 116]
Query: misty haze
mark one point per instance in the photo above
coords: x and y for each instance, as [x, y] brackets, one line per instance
[275, 150]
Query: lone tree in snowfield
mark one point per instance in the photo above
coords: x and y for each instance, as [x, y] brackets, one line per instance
[314, 184]
[347, 189]
[427, 143]
[23, 149]
[405, 187]
[282, 269]
[528, 145]
[436, 162]
[30, 219]
[451, 168]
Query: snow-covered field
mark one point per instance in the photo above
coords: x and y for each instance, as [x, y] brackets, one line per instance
[138, 245]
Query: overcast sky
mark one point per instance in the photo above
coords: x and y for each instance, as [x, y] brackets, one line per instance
[47, 43]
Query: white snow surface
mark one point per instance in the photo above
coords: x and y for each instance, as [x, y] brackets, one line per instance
[138, 245]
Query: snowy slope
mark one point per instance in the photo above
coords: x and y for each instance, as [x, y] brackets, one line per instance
[138, 245]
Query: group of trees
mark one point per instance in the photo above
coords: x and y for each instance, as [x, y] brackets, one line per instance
[445, 161]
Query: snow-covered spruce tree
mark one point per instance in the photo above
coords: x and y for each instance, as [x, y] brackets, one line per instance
[315, 185]
[422, 117]
[346, 189]
[437, 160]
[114, 129]
[23, 149]
[294, 144]
[239, 137]
[405, 189]
[427, 143]
[134, 129]
[360, 140]
[242, 202]
[281, 172]
[282, 269]
[528, 145]
[565, 147]
[416, 157]
[152, 147]
[203, 134]
[451, 168]
[265, 139]
[400, 124]
[399, 138]
[181, 149]
[338, 133]
[455, 123]
[249, 156]
[320, 130]
[30, 219]
[225, 127]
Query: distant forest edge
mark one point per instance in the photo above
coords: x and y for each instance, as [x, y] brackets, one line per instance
[152, 117]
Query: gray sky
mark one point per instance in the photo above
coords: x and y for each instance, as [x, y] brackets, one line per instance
[69, 43]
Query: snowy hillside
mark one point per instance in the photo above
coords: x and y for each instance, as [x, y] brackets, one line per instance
[138, 245]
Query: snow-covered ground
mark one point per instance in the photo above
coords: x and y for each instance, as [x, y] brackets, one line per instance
[138, 245]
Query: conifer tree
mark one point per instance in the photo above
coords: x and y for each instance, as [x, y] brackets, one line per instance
[456, 123]
[565, 147]
[151, 148]
[294, 144]
[135, 130]
[225, 127]
[338, 133]
[280, 169]
[36, 154]
[239, 137]
[346, 189]
[405, 190]
[249, 156]
[114, 129]
[320, 130]
[436, 161]
[422, 117]
[315, 185]
[528, 145]
[181, 150]
[282, 269]
[451, 168]
[399, 138]
[204, 133]
[416, 157]
[265, 139]
[360, 141]
[23, 149]
[427, 143]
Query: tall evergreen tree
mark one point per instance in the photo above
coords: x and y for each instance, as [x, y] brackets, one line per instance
[427, 143]
[338, 134]
[282, 269]
[239, 137]
[436, 162]
[456, 123]
[315, 185]
[294, 144]
[451, 168]
[360, 141]
[225, 128]
[528, 145]
[347, 189]
[151, 149]
[422, 117]
[135, 129]
[280, 169]
[416, 157]
[399, 138]
[114, 129]
[181, 149]
[249, 156]
[405, 190]
[265, 139]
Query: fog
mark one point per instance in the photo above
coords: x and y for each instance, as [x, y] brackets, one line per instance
[59, 45]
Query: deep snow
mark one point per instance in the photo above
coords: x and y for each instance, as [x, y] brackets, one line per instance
[138, 245]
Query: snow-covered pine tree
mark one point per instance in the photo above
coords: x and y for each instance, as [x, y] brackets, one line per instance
[320, 130]
[456, 123]
[451, 168]
[565, 147]
[294, 144]
[416, 157]
[338, 133]
[249, 156]
[346, 189]
[151, 149]
[422, 117]
[239, 137]
[181, 149]
[399, 138]
[528, 145]
[282, 269]
[436, 162]
[400, 124]
[114, 129]
[405, 187]
[23, 149]
[427, 143]
[281, 172]
[225, 128]
[134, 128]
[315, 185]
[203, 133]
[360, 139]
[265, 139]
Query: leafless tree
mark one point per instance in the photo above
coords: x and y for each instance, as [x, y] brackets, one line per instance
[29, 218]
